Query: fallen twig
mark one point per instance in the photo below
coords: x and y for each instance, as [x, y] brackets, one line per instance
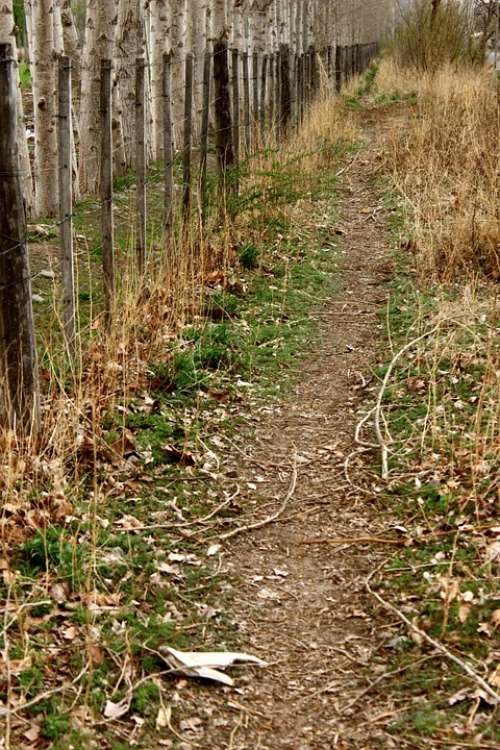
[433, 642]
[269, 519]
[378, 406]
[355, 540]
[382, 677]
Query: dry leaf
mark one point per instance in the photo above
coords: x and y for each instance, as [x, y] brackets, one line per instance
[206, 664]
[115, 710]
[163, 717]
[463, 612]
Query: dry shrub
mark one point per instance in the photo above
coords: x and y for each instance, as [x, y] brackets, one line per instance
[446, 165]
[433, 34]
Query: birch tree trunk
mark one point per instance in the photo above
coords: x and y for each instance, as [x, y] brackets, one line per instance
[44, 104]
[100, 32]
[8, 36]
[179, 44]
[161, 24]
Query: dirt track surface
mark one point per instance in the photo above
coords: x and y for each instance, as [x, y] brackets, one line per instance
[300, 601]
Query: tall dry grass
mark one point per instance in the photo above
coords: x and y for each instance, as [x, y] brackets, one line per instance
[446, 164]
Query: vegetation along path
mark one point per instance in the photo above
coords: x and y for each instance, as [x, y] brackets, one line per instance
[300, 597]
[240, 509]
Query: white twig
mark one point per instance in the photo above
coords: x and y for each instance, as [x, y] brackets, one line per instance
[436, 644]
[378, 406]
[269, 519]
[42, 696]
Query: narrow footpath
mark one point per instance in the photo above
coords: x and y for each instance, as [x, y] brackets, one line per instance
[300, 600]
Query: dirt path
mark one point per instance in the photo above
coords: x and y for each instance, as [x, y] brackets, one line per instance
[302, 606]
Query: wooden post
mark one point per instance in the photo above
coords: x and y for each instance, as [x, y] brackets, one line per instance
[168, 144]
[236, 113]
[225, 152]
[18, 360]
[246, 104]
[188, 138]
[329, 62]
[300, 103]
[263, 96]
[140, 163]
[338, 68]
[272, 90]
[255, 83]
[107, 220]
[65, 157]
[286, 111]
[205, 119]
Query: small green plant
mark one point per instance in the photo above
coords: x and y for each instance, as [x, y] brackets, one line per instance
[24, 76]
[51, 549]
[249, 256]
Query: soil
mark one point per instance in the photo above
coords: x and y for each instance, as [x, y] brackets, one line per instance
[300, 601]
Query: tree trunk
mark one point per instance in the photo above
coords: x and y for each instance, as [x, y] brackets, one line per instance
[161, 21]
[100, 32]
[44, 101]
[8, 36]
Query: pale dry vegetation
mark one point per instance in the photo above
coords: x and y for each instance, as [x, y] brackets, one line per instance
[446, 165]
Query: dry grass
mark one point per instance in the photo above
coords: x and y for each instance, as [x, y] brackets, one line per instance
[446, 164]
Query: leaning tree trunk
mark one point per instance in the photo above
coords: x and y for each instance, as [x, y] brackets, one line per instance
[100, 31]
[44, 102]
[8, 36]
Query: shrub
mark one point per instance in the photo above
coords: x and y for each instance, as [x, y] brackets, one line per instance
[433, 33]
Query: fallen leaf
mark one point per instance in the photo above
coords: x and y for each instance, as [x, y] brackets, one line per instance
[206, 664]
[115, 710]
[163, 717]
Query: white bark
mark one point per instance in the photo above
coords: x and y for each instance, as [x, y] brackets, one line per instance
[100, 30]
[44, 103]
[161, 23]
[8, 36]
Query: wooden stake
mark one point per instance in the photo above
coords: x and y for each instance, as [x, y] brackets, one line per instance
[263, 96]
[107, 220]
[188, 138]
[272, 90]
[286, 111]
[65, 157]
[338, 68]
[140, 163]
[236, 113]
[255, 82]
[168, 144]
[225, 152]
[18, 359]
[246, 104]
[205, 119]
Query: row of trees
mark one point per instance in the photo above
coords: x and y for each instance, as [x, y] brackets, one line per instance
[124, 30]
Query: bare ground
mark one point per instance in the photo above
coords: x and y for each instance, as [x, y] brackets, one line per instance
[300, 601]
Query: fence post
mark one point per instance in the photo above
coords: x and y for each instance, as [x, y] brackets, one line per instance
[225, 152]
[236, 113]
[263, 95]
[140, 163]
[338, 68]
[285, 89]
[205, 119]
[255, 82]
[107, 220]
[65, 157]
[246, 104]
[188, 138]
[168, 145]
[18, 360]
[272, 90]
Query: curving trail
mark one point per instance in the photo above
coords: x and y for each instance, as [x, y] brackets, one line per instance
[300, 603]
